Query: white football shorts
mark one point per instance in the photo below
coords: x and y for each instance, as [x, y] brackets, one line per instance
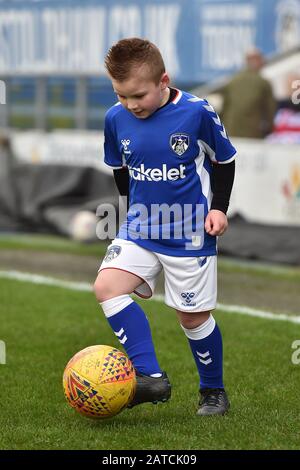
[190, 282]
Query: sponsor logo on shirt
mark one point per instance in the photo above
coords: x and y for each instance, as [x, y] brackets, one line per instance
[157, 174]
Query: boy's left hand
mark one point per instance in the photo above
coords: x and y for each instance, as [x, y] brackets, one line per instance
[216, 222]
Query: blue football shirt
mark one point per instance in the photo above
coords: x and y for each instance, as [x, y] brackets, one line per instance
[169, 156]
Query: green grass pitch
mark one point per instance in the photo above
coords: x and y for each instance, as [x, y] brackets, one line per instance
[44, 326]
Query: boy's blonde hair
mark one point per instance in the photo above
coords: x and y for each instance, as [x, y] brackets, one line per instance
[129, 54]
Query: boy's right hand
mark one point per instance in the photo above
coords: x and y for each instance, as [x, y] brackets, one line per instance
[216, 222]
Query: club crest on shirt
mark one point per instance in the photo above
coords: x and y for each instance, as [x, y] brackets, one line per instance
[179, 143]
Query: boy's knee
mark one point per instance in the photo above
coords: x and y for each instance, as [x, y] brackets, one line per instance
[103, 291]
[193, 320]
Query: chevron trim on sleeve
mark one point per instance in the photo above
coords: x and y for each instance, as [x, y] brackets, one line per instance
[216, 120]
[195, 99]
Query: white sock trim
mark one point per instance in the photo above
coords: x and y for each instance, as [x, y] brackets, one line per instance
[115, 305]
[201, 331]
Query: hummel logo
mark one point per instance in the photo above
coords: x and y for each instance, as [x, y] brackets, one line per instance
[188, 296]
[119, 334]
[125, 143]
[203, 356]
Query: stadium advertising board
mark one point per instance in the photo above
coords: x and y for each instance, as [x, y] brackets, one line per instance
[200, 39]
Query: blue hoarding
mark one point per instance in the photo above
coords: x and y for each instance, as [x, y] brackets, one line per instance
[199, 39]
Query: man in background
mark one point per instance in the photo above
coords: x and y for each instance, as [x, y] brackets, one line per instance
[248, 102]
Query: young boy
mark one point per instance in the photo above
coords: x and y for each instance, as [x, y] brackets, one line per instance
[170, 152]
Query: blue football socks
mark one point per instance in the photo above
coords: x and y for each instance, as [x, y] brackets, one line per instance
[206, 345]
[132, 328]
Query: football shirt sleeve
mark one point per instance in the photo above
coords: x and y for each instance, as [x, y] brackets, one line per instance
[213, 136]
[112, 155]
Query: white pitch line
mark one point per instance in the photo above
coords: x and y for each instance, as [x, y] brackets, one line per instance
[252, 312]
[85, 287]
[45, 280]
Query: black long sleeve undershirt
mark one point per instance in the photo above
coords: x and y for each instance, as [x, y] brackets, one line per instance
[222, 178]
[121, 177]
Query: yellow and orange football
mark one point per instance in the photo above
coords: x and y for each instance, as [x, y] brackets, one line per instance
[99, 381]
